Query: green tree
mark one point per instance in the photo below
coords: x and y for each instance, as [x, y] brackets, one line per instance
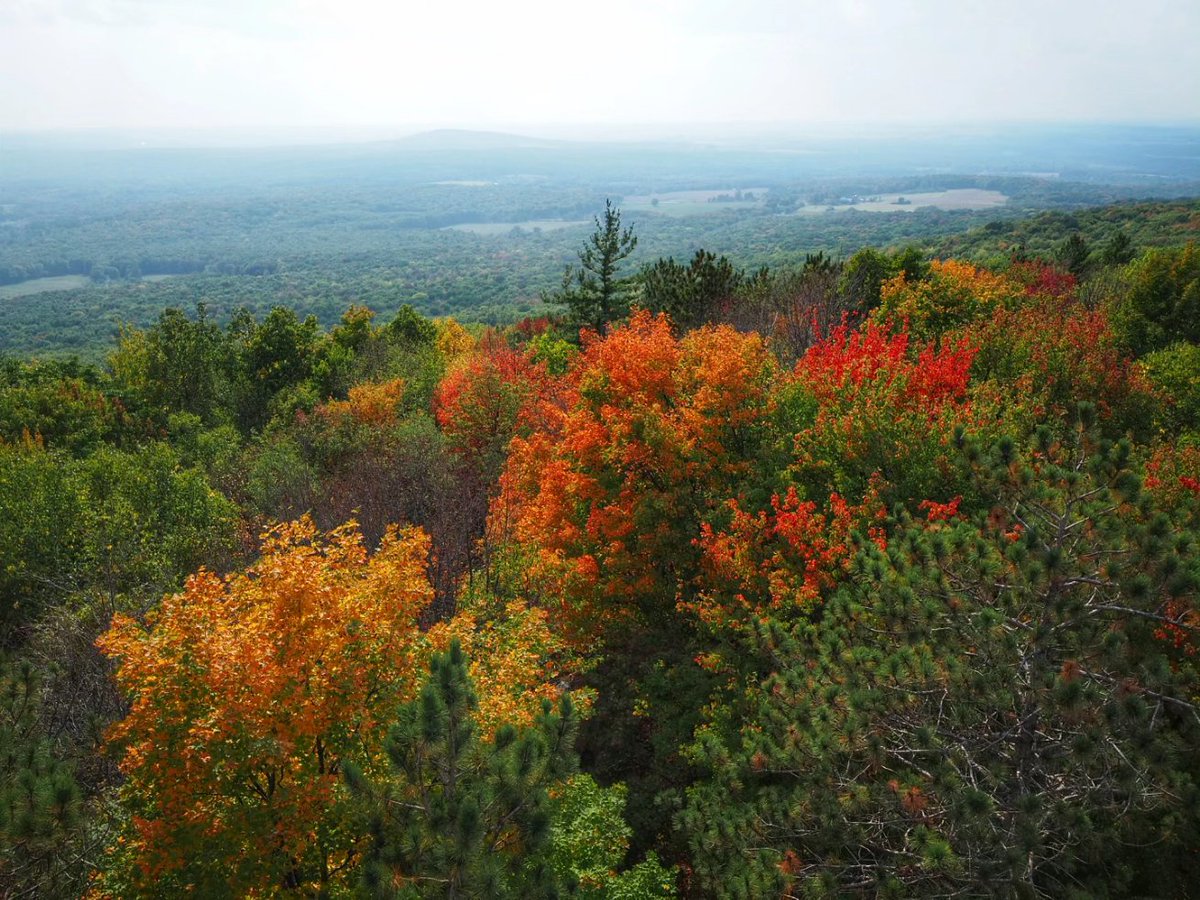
[593, 292]
[590, 840]
[146, 522]
[180, 364]
[40, 541]
[1161, 304]
[1175, 374]
[863, 277]
[338, 351]
[691, 295]
[911, 262]
[1074, 254]
[410, 328]
[1118, 250]
[115, 523]
[273, 356]
[61, 403]
[464, 814]
[39, 799]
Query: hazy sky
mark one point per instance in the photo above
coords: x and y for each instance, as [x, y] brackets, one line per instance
[249, 63]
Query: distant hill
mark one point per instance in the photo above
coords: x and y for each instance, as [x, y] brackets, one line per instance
[1152, 224]
[464, 139]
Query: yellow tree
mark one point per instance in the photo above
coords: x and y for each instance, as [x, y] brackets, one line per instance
[248, 693]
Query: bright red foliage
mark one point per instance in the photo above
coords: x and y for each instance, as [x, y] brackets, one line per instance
[876, 359]
[1173, 475]
[1041, 279]
[779, 561]
[941, 512]
[1050, 354]
[874, 392]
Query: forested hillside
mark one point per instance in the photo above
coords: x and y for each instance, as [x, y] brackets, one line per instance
[478, 226]
[872, 573]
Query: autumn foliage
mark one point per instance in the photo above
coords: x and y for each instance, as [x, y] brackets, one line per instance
[905, 604]
[954, 293]
[247, 692]
[486, 399]
[1048, 354]
[369, 403]
[778, 562]
[875, 388]
[647, 432]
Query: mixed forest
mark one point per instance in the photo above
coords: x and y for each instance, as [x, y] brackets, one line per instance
[871, 575]
[348, 546]
[478, 226]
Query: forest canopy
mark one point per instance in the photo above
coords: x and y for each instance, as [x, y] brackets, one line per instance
[872, 574]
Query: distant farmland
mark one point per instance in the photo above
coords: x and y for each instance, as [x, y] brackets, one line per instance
[958, 198]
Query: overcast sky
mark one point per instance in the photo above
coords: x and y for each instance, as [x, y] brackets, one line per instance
[491, 63]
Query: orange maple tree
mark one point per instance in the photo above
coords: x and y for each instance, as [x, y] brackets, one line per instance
[368, 403]
[646, 433]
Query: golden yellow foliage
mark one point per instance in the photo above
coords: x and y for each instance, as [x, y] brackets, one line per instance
[453, 340]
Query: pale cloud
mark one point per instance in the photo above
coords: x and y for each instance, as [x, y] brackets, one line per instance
[201, 63]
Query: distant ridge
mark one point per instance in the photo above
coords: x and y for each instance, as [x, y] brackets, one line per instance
[465, 139]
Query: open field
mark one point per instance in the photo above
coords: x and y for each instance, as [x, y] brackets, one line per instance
[695, 203]
[41, 285]
[958, 198]
[60, 283]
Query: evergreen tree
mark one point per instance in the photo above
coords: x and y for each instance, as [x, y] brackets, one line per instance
[863, 277]
[464, 814]
[1118, 250]
[39, 799]
[989, 708]
[691, 294]
[593, 293]
[1074, 254]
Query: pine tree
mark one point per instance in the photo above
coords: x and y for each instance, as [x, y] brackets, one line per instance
[464, 814]
[691, 295]
[989, 708]
[39, 799]
[1118, 250]
[593, 293]
[1074, 254]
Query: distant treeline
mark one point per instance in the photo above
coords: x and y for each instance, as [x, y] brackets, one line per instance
[500, 279]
